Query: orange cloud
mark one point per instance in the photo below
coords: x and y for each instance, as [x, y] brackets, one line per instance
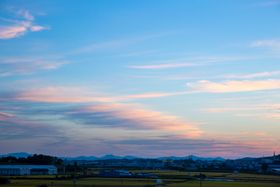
[135, 115]
[56, 94]
[234, 86]
[111, 110]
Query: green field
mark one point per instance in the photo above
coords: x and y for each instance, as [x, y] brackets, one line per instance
[170, 179]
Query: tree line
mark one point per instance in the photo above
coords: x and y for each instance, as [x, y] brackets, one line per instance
[36, 159]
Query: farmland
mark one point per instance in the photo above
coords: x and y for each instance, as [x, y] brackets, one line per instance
[169, 178]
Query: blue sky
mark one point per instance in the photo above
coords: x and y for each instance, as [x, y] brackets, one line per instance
[144, 78]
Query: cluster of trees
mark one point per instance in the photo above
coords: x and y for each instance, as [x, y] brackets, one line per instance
[37, 159]
[4, 180]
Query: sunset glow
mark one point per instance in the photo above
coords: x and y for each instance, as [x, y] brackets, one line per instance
[146, 78]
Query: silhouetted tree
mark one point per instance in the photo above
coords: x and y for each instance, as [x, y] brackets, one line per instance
[37, 159]
[264, 167]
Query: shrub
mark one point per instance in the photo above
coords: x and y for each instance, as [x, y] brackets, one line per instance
[4, 181]
[42, 185]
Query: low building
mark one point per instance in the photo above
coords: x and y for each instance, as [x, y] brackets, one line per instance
[8, 170]
[274, 168]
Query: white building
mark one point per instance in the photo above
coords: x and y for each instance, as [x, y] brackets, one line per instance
[27, 170]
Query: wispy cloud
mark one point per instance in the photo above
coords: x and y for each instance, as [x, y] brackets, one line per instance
[226, 109]
[233, 86]
[271, 44]
[252, 75]
[248, 107]
[22, 23]
[13, 126]
[118, 43]
[26, 65]
[149, 95]
[131, 116]
[163, 66]
[266, 43]
[164, 134]
[275, 116]
[105, 111]
[170, 145]
[5, 115]
[264, 111]
[62, 94]
[180, 63]
[193, 76]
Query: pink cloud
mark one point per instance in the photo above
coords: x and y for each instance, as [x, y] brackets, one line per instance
[37, 28]
[8, 32]
[112, 108]
[163, 134]
[61, 95]
[5, 116]
[144, 118]
[27, 65]
[57, 94]
[20, 26]
[234, 86]
[151, 95]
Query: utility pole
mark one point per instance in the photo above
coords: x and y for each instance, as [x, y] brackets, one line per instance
[74, 182]
[200, 176]
[74, 176]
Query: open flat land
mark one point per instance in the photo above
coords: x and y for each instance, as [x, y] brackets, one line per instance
[169, 178]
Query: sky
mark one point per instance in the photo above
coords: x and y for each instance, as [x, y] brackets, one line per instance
[147, 78]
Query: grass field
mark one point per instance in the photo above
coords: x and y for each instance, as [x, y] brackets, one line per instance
[170, 179]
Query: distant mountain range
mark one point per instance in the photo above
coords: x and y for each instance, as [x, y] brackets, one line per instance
[114, 157]
[105, 157]
[193, 157]
[17, 155]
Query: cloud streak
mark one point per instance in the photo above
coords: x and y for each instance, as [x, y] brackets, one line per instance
[61, 94]
[131, 116]
[180, 63]
[271, 44]
[118, 43]
[253, 75]
[105, 111]
[263, 111]
[234, 86]
[164, 134]
[168, 145]
[23, 23]
[13, 126]
[163, 66]
[27, 65]
[56, 94]
[251, 107]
